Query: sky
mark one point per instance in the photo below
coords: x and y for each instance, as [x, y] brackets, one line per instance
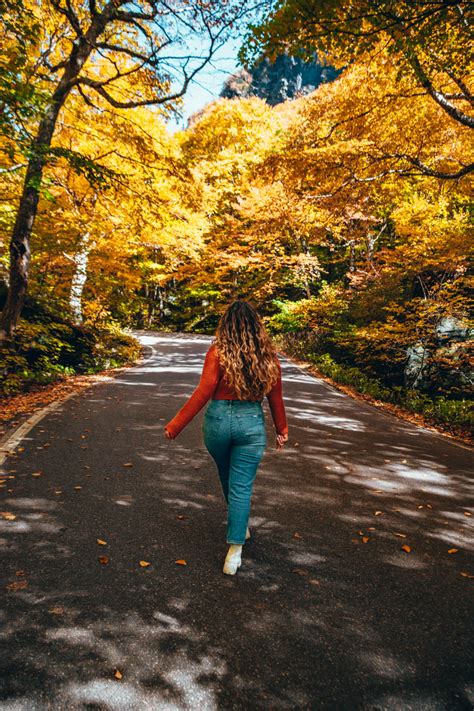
[208, 83]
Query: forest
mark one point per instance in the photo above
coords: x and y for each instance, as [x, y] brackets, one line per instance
[342, 213]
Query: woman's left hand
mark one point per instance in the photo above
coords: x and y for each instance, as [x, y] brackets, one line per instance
[167, 434]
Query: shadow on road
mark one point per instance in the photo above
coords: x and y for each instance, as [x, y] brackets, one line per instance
[327, 612]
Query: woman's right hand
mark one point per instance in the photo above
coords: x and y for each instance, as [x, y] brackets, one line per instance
[280, 441]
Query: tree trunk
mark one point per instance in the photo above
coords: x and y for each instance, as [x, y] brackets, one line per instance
[28, 207]
[79, 278]
[20, 240]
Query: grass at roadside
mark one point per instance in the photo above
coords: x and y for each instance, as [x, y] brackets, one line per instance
[453, 417]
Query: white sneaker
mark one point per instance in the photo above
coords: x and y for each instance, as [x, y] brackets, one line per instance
[247, 534]
[233, 560]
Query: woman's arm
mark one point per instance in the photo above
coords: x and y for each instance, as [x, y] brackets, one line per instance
[203, 392]
[277, 407]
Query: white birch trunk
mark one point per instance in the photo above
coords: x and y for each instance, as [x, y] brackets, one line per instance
[81, 259]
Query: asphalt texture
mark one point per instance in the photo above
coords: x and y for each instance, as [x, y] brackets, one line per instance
[327, 612]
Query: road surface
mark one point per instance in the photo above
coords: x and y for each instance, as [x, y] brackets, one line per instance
[327, 612]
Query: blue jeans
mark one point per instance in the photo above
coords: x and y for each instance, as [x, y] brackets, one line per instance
[235, 437]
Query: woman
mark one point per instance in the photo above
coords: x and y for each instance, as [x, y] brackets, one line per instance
[240, 368]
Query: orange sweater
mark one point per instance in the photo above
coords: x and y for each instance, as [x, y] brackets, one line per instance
[213, 384]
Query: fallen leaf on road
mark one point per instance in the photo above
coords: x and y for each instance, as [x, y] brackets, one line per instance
[400, 535]
[128, 464]
[406, 548]
[101, 542]
[313, 581]
[453, 550]
[19, 573]
[365, 539]
[118, 674]
[17, 585]
[378, 513]
[300, 571]
[36, 474]
[103, 559]
[144, 563]
[77, 488]
[181, 517]
[467, 513]
[7, 515]
[180, 561]
[298, 536]
[466, 575]
[371, 528]
[361, 533]
[428, 506]
[56, 610]
[420, 507]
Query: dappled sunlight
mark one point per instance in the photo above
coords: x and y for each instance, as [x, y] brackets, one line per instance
[412, 562]
[328, 420]
[310, 588]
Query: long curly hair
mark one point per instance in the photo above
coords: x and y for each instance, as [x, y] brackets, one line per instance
[246, 352]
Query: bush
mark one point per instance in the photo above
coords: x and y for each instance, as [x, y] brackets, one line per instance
[439, 410]
[45, 349]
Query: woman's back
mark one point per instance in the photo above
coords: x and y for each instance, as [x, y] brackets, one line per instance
[213, 384]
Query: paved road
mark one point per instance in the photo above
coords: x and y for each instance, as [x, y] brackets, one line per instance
[315, 619]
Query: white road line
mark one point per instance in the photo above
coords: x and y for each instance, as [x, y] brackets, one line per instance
[10, 443]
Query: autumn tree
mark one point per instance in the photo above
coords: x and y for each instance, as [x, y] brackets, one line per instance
[428, 41]
[90, 49]
[315, 212]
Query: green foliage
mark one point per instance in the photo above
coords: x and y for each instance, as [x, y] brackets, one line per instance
[290, 317]
[439, 410]
[323, 313]
[45, 349]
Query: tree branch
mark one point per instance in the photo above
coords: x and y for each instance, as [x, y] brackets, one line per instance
[13, 168]
[426, 170]
[123, 16]
[466, 94]
[438, 96]
[69, 13]
[149, 59]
